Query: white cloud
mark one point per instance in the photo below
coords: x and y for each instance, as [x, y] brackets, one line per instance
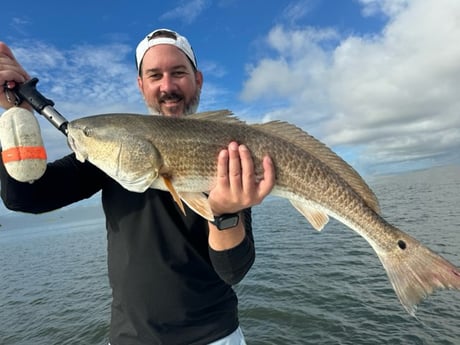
[395, 94]
[211, 68]
[297, 10]
[387, 7]
[19, 24]
[188, 11]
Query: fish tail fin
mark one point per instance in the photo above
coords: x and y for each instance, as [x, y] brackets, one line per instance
[415, 272]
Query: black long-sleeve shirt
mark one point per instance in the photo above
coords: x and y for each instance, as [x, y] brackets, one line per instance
[168, 285]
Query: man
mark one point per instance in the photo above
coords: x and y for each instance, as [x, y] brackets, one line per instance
[170, 274]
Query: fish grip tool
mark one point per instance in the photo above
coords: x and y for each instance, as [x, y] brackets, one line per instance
[28, 92]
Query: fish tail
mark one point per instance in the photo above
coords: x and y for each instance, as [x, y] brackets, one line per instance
[415, 271]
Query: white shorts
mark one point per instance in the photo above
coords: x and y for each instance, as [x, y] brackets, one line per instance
[236, 338]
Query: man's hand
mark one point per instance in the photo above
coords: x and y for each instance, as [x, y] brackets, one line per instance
[237, 185]
[11, 73]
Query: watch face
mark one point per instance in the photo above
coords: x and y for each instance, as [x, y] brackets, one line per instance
[227, 221]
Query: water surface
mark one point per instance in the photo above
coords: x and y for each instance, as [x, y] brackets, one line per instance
[305, 287]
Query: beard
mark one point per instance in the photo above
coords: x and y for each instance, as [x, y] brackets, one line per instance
[190, 108]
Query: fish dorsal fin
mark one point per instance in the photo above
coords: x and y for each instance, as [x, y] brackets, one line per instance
[317, 218]
[320, 151]
[219, 116]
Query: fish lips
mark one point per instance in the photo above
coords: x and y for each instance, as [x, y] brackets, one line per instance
[80, 153]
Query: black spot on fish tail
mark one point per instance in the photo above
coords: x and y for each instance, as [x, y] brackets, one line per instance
[402, 244]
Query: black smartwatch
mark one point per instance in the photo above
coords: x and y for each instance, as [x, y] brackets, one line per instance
[226, 221]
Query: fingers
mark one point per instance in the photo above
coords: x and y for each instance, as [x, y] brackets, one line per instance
[222, 169]
[234, 167]
[256, 189]
[6, 51]
[236, 173]
[247, 175]
[11, 73]
[10, 69]
[269, 179]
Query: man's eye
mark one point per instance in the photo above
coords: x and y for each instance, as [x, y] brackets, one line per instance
[156, 76]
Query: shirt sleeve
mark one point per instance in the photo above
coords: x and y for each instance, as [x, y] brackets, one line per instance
[233, 264]
[65, 181]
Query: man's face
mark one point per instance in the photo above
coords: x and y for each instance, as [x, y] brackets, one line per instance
[168, 82]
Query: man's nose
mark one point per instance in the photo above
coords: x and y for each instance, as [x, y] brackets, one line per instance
[167, 84]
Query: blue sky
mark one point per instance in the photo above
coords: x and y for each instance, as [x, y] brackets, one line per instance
[377, 80]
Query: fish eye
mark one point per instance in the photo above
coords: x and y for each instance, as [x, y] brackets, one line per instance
[87, 131]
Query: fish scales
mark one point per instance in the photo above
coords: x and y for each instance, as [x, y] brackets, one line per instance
[189, 149]
[180, 155]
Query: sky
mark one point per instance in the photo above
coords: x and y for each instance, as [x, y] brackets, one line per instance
[376, 80]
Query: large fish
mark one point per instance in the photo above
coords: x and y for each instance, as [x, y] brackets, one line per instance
[180, 154]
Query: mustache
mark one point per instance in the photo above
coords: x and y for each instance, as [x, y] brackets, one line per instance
[173, 96]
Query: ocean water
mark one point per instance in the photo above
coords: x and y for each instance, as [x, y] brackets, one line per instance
[304, 288]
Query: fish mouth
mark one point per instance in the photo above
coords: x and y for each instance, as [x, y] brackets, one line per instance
[80, 154]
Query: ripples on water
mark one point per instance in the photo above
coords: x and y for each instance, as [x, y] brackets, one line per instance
[54, 285]
[305, 287]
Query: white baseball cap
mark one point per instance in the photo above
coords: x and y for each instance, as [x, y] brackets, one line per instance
[164, 36]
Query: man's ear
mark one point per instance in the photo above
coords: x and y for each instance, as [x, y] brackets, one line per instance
[198, 79]
[140, 84]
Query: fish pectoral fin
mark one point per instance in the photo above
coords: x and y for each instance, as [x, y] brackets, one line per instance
[317, 218]
[169, 185]
[198, 202]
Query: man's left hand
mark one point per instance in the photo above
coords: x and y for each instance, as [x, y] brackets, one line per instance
[237, 185]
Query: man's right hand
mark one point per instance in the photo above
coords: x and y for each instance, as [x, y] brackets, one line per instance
[11, 73]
